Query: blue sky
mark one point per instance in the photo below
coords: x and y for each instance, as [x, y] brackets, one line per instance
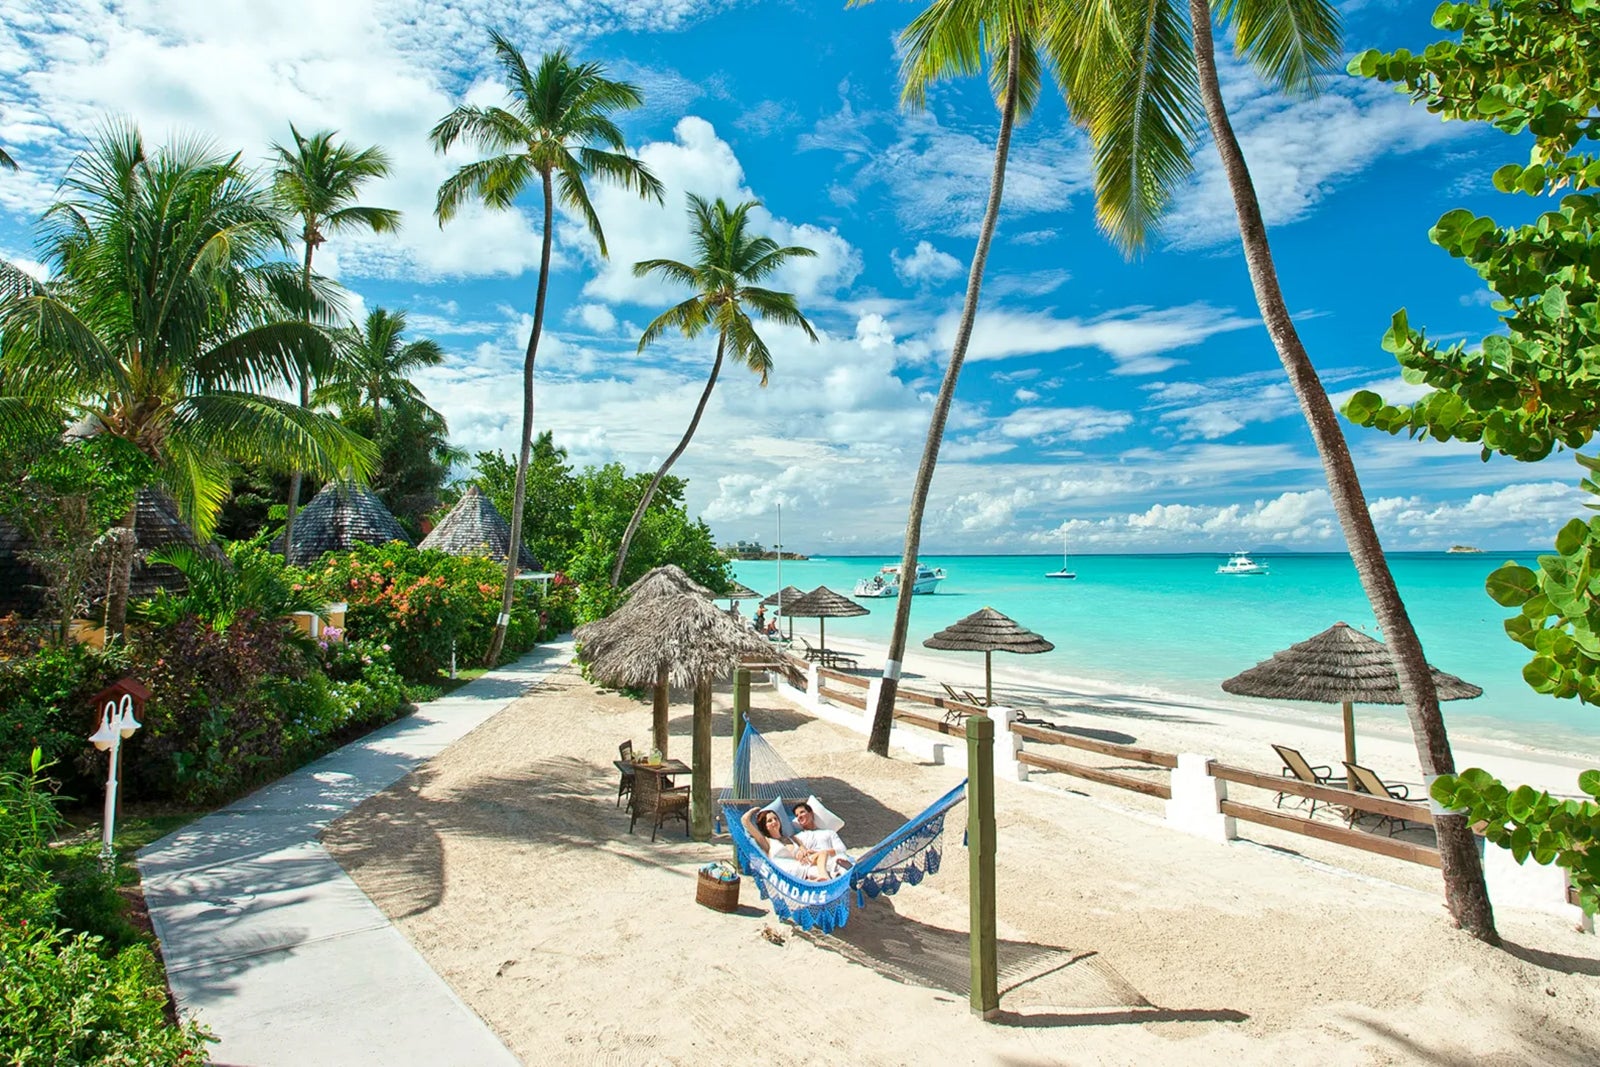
[1130, 406]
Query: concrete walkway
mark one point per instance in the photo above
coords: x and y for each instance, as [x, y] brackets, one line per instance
[274, 948]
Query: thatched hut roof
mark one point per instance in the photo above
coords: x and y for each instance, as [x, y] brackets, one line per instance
[987, 630]
[21, 585]
[684, 633]
[824, 603]
[475, 527]
[1341, 665]
[737, 590]
[337, 519]
[667, 579]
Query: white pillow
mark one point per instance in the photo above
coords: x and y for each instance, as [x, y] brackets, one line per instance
[784, 820]
[825, 819]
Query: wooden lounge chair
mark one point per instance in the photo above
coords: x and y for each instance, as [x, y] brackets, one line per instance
[1297, 766]
[964, 696]
[625, 772]
[658, 803]
[1367, 781]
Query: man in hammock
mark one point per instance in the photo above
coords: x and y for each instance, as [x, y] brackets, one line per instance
[765, 827]
[811, 836]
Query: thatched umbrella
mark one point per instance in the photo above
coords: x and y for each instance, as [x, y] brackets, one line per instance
[781, 600]
[823, 604]
[737, 590]
[667, 578]
[988, 631]
[679, 638]
[1340, 665]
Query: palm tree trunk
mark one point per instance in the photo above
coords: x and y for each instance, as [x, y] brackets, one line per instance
[1465, 893]
[124, 540]
[883, 712]
[525, 452]
[655, 483]
[305, 402]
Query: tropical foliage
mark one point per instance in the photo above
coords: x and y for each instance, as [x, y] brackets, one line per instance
[556, 128]
[730, 263]
[375, 364]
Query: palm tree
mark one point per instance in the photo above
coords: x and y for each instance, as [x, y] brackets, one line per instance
[316, 180]
[1145, 74]
[164, 323]
[730, 263]
[950, 38]
[376, 364]
[556, 129]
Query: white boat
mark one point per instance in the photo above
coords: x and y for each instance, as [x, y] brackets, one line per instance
[1063, 572]
[1241, 563]
[886, 582]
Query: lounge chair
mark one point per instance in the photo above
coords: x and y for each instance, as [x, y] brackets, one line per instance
[625, 772]
[1297, 766]
[1367, 781]
[964, 696]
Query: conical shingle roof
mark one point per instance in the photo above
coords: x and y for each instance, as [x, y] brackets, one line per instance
[337, 519]
[475, 527]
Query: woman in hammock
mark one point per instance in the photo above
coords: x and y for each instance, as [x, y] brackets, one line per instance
[790, 857]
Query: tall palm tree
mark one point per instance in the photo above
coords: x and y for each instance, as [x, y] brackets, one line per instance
[724, 275]
[555, 129]
[166, 323]
[1147, 71]
[316, 180]
[951, 38]
[375, 364]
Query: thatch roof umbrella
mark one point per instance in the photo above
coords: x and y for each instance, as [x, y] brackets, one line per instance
[737, 590]
[823, 604]
[680, 638]
[988, 631]
[339, 517]
[475, 527]
[781, 600]
[1340, 665]
[667, 578]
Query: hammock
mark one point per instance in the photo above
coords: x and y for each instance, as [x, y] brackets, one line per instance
[902, 858]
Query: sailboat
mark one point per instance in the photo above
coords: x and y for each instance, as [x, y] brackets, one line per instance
[1063, 572]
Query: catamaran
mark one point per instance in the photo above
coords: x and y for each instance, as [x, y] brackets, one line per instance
[886, 582]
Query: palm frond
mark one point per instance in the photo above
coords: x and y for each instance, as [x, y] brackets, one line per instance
[690, 317]
[496, 181]
[1292, 44]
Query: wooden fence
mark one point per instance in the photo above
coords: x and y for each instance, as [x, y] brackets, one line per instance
[1104, 775]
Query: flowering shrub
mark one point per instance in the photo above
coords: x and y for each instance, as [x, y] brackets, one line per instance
[418, 603]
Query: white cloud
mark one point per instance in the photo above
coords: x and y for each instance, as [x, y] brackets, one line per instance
[1024, 396]
[1137, 338]
[1047, 425]
[926, 264]
[597, 317]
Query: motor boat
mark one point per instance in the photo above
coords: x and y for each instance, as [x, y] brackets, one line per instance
[1241, 563]
[886, 582]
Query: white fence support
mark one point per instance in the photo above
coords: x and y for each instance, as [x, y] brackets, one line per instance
[1196, 804]
[1006, 746]
[1530, 885]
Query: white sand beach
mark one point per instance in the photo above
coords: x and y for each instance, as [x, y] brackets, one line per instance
[508, 865]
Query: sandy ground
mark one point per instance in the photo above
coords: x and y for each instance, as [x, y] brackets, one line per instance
[507, 863]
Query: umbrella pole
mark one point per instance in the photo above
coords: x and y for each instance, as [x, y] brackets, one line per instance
[822, 633]
[1349, 743]
[659, 709]
[988, 678]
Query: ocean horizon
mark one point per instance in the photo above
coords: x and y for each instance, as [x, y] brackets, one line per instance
[1168, 623]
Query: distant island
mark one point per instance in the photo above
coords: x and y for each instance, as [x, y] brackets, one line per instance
[1463, 548]
[756, 550]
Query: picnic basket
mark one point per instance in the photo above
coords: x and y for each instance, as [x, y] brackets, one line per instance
[715, 894]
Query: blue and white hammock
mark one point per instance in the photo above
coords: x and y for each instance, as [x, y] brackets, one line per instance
[902, 858]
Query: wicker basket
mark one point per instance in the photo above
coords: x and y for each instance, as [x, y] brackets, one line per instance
[718, 896]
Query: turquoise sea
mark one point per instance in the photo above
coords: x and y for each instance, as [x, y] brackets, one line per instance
[1171, 623]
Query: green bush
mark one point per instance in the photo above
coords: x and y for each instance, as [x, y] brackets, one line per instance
[62, 1001]
[44, 704]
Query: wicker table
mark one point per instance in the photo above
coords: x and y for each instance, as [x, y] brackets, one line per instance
[654, 796]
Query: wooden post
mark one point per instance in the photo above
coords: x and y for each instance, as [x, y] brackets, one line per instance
[1349, 744]
[741, 719]
[985, 994]
[700, 783]
[658, 719]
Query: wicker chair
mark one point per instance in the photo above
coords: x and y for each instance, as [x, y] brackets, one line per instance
[658, 804]
[625, 772]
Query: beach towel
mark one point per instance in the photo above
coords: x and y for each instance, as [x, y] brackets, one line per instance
[904, 857]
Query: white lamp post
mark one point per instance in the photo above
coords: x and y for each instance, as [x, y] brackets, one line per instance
[116, 724]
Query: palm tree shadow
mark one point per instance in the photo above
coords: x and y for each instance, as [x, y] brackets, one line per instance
[1036, 981]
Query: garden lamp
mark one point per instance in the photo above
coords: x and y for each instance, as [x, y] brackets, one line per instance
[117, 723]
